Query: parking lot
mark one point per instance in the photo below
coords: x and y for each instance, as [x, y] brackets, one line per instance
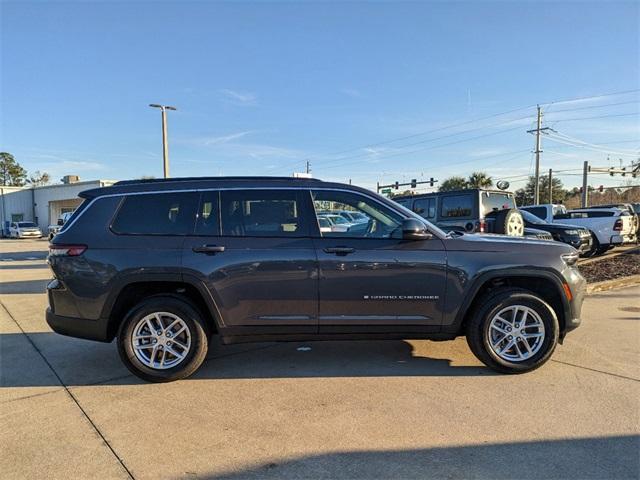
[368, 409]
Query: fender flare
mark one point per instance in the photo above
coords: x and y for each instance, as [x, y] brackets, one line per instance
[151, 277]
[481, 279]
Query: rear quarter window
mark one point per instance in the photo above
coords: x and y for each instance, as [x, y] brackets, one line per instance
[156, 214]
[456, 206]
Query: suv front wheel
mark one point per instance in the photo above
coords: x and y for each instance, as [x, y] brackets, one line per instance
[513, 331]
[162, 339]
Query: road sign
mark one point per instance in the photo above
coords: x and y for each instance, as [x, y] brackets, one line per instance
[385, 190]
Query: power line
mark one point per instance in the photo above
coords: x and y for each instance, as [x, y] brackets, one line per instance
[577, 143]
[427, 148]
[591, 97]
[454, 125]
[367, 154]
[593, 118]
[591, 107]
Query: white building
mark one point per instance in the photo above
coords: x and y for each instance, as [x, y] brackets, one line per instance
[43, 205]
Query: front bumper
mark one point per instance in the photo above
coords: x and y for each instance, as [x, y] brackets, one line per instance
[30, 235]
[580, 243]
[78, 327]
[578, 288]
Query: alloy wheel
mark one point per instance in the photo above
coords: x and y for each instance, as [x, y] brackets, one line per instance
[161, 340]
[516, 333]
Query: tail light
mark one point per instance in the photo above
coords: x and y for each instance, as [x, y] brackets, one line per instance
[66, 250]
[481, 226]
[618, 225]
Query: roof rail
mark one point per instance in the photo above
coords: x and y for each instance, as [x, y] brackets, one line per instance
[196, 179]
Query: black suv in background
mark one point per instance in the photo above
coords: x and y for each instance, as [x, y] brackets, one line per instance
[161, 265]
[578, 238]
[471, 210]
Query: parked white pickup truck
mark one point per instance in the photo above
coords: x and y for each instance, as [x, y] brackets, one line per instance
[608, 226]
[53, 229]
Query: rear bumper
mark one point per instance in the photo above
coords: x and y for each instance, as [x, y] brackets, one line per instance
[78, 327]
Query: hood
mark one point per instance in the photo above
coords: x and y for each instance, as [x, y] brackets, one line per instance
[503, 243]
[565, 226]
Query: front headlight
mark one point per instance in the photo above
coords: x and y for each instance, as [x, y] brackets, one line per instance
[571, 232]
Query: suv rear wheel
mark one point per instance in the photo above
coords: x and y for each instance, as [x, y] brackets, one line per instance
[513, 331]
[162, 339]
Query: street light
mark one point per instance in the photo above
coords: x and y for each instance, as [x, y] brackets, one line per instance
[165, 145]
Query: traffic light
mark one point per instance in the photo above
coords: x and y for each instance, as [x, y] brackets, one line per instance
[431, 182]
[396, 185]
[601, 188]
[414, 183]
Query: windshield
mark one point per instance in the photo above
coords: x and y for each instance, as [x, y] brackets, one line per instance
[338, 219]
[531, 218]
[26, 225]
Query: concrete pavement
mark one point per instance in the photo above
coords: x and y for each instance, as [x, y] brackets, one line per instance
[396, 409]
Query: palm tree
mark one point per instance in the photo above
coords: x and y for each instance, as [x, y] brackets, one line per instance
[480, 180]
[453, 183]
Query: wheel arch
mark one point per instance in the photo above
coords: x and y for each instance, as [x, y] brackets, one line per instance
[128, 293]
[543, 282]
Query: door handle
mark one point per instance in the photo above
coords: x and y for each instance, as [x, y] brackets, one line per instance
[340, 250]
[209, 249]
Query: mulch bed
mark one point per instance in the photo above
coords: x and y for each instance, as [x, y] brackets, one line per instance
[611, 268]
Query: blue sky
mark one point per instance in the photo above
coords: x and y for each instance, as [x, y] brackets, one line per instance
[262, 87]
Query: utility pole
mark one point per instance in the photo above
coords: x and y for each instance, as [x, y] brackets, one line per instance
[550, 185]
[165, 142]
[308, 166]
[538, 151]
[585, 188]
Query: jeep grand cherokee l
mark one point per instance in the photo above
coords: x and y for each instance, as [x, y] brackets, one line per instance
[161, 265]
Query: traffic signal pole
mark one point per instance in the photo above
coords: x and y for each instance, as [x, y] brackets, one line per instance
[413, 184]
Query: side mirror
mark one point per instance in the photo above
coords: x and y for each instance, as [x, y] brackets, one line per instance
[60, 222]
[413, 229]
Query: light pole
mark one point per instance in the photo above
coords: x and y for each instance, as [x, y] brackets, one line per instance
[165, 144]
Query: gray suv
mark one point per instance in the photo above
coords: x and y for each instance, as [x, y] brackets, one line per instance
[161, 265]
[472, 210]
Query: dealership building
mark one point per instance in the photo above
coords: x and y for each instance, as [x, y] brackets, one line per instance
[43, 205]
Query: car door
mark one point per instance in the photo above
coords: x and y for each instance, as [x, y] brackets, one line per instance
[251, 249]
[370, 278]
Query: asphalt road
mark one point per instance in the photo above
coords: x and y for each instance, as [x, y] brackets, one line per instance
[396, 409]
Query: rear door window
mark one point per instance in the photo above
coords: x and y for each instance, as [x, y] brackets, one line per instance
[265, 213]
[425, 207]
[208, 218]
[156, 214]
[456, 206]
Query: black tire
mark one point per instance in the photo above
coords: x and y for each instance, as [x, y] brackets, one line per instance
[478, 329]
[595, 246]
[189, 314]
[509, 222]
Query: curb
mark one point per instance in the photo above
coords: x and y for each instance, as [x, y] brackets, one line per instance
[588, 261]
[615, 283]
